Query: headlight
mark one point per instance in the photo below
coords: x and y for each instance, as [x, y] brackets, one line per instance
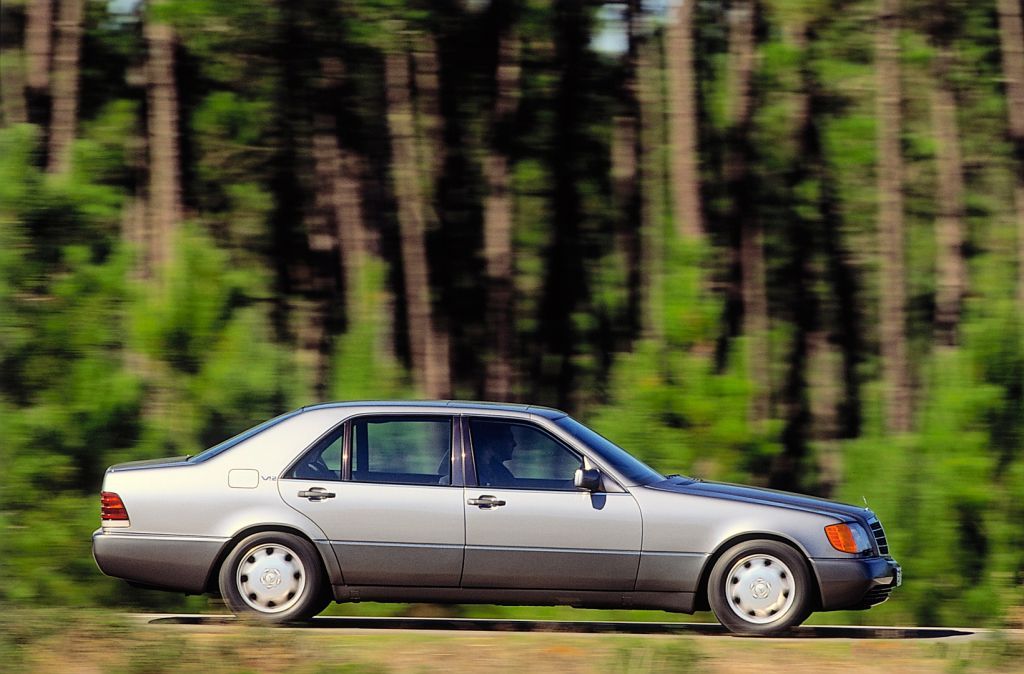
[848, 537]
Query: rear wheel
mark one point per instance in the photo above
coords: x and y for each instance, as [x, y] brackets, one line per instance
[760, 588]
[273, 577]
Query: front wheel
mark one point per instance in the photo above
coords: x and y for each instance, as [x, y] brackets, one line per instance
[273, 577]
[761, 588]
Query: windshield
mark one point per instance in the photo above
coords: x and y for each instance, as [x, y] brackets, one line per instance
[624, 463]
[238, 439]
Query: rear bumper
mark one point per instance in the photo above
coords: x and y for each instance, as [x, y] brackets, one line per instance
[856, 583]
[180, 563]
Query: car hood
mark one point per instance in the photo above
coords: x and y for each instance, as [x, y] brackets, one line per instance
[771, 497]
[150, 463]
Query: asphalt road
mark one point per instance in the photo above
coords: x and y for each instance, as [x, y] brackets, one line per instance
[710, 630]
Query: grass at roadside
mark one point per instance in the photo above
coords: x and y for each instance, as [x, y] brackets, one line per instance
[72, 641]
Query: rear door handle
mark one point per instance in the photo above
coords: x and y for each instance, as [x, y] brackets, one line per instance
[486, 501]
[316, 494]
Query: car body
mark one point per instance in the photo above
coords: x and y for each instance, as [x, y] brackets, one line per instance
[467, 502]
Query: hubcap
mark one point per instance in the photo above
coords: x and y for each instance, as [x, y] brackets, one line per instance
[270, 578]
[760, 588]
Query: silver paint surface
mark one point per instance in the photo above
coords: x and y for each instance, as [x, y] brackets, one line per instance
[637, 545]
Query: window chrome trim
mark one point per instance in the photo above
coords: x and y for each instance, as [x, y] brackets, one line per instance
[475, 480]
[409, 416]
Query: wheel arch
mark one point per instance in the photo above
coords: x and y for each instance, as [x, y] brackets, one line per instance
[701, 602]
[329, 569]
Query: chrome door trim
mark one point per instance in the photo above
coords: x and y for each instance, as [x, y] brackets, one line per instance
[532, 548]
[384, 544]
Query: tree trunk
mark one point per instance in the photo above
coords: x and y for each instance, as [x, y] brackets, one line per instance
[1011, 38]
[38, 43]
[429, 127]
[38, 54]
[64, 85]
[13, 92]
[752, 293]
[628, 177]
[165, 209]
[565, 286]
[498, 219]
[429, 357]
[430, 157]
[824, 374]
[653, 184]
[324, 248]
[950, 266]
[625, 173]
[741, 60]
[831, 384]
[339, 201]
[892, 290]
[352, 237]
[683, 122]
[789, 467]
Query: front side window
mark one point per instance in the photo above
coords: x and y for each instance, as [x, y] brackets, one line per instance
[410, 450]
[520, 456]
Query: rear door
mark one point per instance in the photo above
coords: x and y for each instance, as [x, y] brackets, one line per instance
[527, 527]
[381, 489]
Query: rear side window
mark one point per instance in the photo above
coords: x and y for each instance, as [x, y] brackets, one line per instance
[323, 461]
[408, 450]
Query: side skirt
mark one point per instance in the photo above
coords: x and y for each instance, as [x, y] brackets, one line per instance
[676, 602]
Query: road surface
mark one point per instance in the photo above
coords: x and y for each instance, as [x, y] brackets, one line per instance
[481, 625]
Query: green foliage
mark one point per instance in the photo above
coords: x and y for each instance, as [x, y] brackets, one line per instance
[104, 359]
[669, 404]
[365, 370]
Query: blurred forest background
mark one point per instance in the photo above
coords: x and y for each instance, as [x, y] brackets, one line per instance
[771, 241]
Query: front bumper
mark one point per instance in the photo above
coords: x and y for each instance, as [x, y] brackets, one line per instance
[856, 583]
[181, 563]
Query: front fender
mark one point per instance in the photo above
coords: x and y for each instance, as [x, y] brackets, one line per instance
[684, 533]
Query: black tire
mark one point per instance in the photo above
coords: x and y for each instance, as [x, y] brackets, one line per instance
[760, 588]
[274, 577]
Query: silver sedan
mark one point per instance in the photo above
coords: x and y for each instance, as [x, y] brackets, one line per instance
[454, 502]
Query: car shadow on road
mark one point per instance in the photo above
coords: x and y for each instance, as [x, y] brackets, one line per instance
[578, 627]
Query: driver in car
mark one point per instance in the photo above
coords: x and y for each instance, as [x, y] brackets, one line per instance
[493, 444]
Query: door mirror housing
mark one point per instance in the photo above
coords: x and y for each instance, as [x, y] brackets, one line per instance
[588, 479]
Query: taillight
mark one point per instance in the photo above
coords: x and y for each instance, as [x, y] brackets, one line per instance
[111, 507]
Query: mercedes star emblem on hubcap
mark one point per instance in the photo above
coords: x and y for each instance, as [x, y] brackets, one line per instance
[270, 578]
[760, 588]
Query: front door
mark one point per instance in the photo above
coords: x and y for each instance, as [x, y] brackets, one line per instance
[394, 517]
[528, 527]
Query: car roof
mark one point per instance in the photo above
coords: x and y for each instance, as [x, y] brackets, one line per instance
[546, 412]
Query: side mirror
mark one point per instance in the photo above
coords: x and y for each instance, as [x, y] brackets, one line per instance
[587, 478]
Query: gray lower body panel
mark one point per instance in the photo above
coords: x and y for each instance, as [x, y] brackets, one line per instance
[854, 583]
[677, 602]
[549, 568]
[670, 571]
[330, 562]
[399, 564]
[177, 563]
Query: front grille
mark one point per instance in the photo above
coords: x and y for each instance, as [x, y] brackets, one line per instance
[879, 533]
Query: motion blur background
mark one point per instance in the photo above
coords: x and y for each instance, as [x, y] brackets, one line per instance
[770, 241]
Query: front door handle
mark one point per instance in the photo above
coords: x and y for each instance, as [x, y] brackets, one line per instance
[486, 501]
[316, 494]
